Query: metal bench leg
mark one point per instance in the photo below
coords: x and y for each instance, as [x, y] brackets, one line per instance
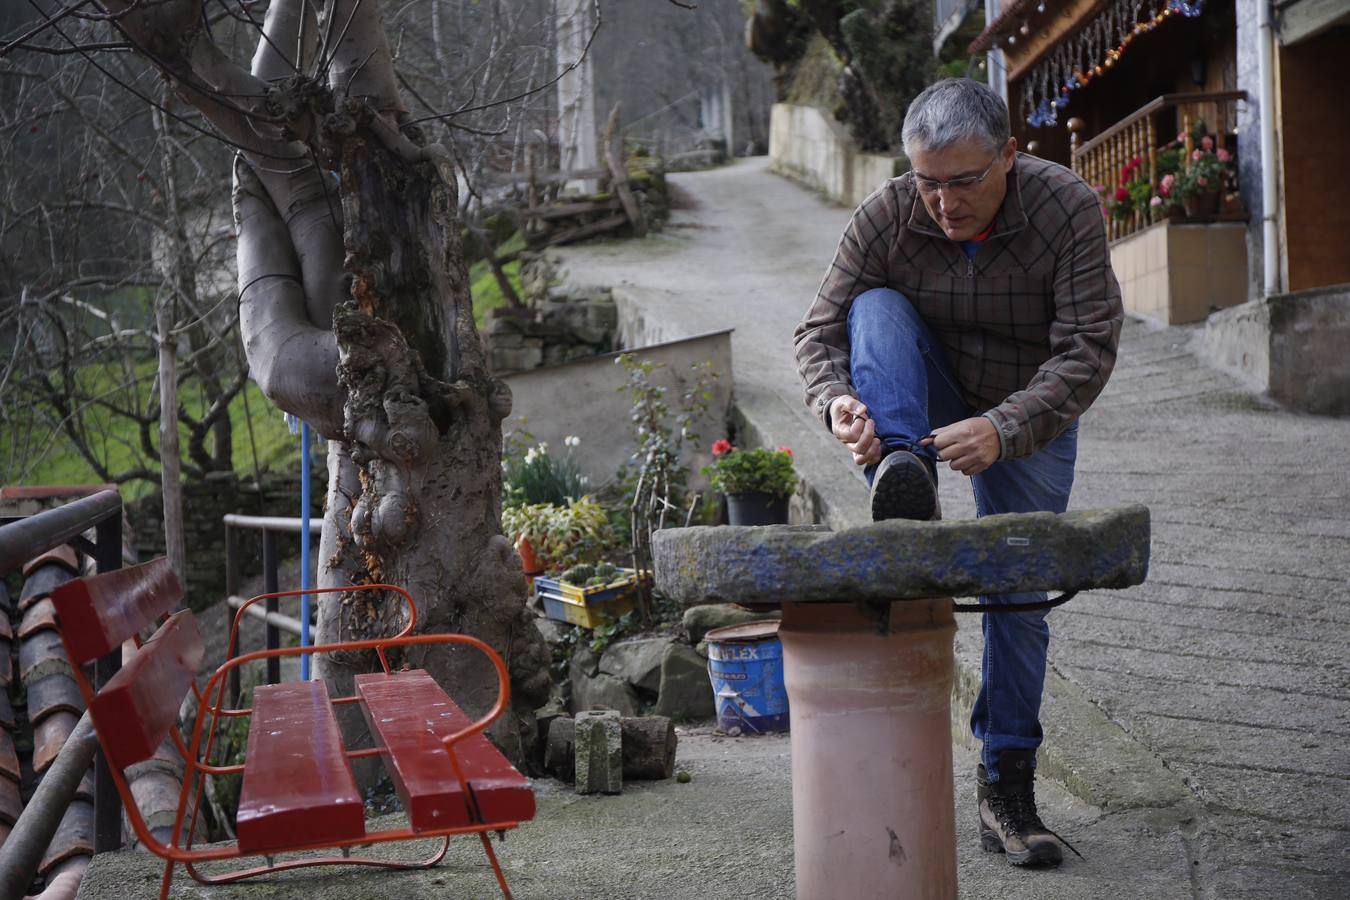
[306, 862]
[168, 877]
[496, 868]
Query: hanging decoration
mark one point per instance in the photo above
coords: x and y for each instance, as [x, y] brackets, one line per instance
[1075, 62]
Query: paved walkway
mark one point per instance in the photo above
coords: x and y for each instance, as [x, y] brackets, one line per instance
[1217, 695]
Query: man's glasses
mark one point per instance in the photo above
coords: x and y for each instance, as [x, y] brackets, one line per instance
[956, 185]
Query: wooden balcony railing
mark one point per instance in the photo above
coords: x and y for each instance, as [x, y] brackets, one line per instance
[1142, 134]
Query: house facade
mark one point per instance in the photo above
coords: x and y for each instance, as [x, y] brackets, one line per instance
[1217, 132]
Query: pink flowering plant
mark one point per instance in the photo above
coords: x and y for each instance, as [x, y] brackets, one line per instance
[1206, 169]
[1209, 171]
[1131, 192]
[737, 471]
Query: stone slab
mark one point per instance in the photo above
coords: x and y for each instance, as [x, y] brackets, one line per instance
[904, 560]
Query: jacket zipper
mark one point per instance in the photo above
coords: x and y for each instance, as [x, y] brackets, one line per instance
[970, 284]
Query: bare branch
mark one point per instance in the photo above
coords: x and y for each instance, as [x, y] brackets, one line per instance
[526, 93]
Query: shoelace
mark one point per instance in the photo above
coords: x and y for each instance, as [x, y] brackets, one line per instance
[1018, 814]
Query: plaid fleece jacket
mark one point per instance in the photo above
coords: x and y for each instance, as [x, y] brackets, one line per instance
[1029, 326]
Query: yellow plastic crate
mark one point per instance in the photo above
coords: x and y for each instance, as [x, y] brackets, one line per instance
[588, 606]
[560, 609]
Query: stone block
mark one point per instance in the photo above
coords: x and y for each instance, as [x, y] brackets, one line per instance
[637, 662]
[516, 360]
[606, 691]
[904, 560]
[588, 320]
[686, 693]
[699, 620]
[504, 331]
[560, 748]
[552, 632]
[599, 752]
[585, 661]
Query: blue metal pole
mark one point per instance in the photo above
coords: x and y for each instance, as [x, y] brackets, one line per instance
[304, 548]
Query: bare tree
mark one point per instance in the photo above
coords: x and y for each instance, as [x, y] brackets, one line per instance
[355, 316]
[102, 216]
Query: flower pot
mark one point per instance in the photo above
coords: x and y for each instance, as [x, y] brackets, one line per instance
[757, 508]
[528, 561]
[1206, 204]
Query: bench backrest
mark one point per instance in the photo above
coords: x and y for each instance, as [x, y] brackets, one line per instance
[98, 612]
[137, 707]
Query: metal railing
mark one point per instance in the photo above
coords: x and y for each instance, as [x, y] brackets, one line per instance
[270, 526]
[1143, 134]
[22, 538]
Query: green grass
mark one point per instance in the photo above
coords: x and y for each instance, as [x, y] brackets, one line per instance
[32, 454]
[486, 293]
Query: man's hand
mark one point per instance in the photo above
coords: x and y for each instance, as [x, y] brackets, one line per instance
[970, 446]
[854, 428]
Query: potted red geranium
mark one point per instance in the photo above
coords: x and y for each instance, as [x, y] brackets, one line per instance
[756, 483]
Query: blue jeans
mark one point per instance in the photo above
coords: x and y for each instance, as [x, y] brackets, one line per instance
[900, 373]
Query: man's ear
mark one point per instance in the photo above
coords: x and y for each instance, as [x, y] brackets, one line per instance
[1009, 154]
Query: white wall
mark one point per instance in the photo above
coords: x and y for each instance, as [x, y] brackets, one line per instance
[586, 398]
[806, 144]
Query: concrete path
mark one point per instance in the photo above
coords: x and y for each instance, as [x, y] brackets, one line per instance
[1194, 724]
[726, 833]
[1217, 695]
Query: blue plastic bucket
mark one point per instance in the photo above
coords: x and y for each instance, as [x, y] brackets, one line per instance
[745, 664]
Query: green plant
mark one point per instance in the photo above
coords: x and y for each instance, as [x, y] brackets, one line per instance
[654, 483]
[741, 471]
[655, 480]
[562, 536]
[1208, 171]
[528, 522]
[579, 533]
[578, 574]
[606, 634]
[1132, 192]
[537, 476]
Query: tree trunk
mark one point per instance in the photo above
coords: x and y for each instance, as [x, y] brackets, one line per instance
[170, 460]
[356, 317]
[415, 491]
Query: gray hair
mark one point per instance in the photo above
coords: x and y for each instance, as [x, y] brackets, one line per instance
[952, 111]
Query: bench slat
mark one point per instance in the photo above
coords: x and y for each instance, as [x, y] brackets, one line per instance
[298, 785]
[139, 705]
[409, 715]
[97, 613]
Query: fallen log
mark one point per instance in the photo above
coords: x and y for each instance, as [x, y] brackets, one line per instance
[649, 744]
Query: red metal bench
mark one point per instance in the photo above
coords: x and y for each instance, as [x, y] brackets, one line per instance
[298, 792]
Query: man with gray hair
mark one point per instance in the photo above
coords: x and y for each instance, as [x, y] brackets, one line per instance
[969, 317]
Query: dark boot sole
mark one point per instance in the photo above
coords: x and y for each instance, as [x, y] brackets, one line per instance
[903, 489]
[990, 843]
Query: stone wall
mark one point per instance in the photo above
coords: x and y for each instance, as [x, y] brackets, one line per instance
[562, 323]
[1291, 345]
[205, 504]
[1176, 273]
[807, 144]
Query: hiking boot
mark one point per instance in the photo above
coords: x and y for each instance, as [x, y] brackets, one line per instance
[1008, 819]
[904, 487]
